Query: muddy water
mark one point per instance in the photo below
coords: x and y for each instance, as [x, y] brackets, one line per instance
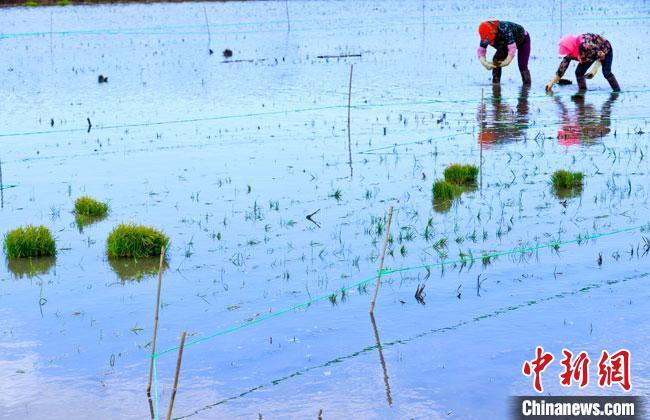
[228, 156]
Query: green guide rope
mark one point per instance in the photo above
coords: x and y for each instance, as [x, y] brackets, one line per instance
[464, 260]
[296, 110]
[199, 28]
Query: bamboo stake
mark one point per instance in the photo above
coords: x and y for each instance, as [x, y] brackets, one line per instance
[178, 369]
[423, 22]
[349, 134]
[155, 329]
[207, 25]
[481, 145]
[381, 262]
[51, 25]
[286, 7]
[561, 28]
[2, 190]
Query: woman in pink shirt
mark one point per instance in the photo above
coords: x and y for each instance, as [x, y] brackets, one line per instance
[588, 50]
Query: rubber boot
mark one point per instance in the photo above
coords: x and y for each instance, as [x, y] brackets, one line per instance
[613, 83]
[582, 84]
[525, 77]
[496, 75]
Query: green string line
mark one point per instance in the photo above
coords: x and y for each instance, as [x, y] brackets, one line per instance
[6, 187]
[497, 99]
[391, 146]
[520, 250]
[503, 126]
[180, 121]
[392, 19]
[419, 267]
[258, 320]
[296, 110]
[402, 341]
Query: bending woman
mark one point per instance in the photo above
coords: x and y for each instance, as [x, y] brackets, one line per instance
[506, 37]
[587, 49]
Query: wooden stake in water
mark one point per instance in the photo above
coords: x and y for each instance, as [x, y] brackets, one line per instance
[178, 369]
[51, 26]
[561, 29]
[381, 261]
[207, 25]
[155, 329]
[286, 7]
[480, 141]
[2, 190]
[349, 134]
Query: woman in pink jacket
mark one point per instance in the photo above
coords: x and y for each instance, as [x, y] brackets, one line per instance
[588, 50]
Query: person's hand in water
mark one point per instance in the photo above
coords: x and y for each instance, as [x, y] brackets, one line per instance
[549, 86]
[594, 70]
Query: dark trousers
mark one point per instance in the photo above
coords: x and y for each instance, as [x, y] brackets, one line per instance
[607, 65]
[523, 53]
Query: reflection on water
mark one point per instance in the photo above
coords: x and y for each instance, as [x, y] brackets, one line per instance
[136, 269]
[389, 399]
[499, 123]
[563, 193]
[444, 205]
[30, 267]
[83, 221]
[585, 124]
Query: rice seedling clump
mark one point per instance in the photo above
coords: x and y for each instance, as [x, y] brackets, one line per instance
[567, 184]
[443, 190]
[86, 206]
[461, 174]
[29, 241]
[130, 240]
[566, 179]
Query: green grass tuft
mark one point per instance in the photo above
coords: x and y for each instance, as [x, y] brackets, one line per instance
[461, 174]
[86, 206]
[565, 179]
[63, 3]
[29, 241]
[129, 240]
[443, 190]
[567, 184]
[32, 3]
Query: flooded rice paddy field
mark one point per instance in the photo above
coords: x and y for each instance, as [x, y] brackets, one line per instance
[228, 156]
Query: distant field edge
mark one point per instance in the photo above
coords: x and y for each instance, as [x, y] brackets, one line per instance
[37, 3]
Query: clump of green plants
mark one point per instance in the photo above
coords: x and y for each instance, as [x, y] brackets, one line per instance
[461, 174]
[444, 193]
[32, 3]
[63, 3]
[86, 206]
[566, 183]
[567, 179]
[29, 241]
[444, 190]
[130, 240]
